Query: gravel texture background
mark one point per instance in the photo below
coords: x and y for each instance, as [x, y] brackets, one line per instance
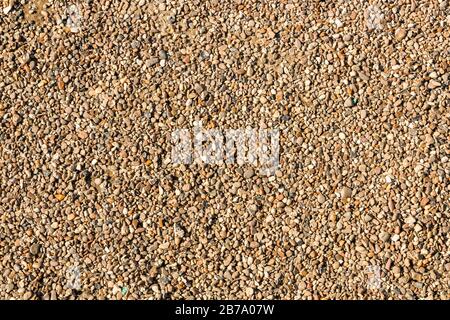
[91, 206]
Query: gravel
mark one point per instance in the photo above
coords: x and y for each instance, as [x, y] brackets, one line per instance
[93, 208]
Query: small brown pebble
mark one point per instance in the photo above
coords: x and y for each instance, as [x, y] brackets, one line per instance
[346, 193]
[248, 173]
[400, 34]
[320, 198]
[433, 84]
[82, 134]
[34, 249]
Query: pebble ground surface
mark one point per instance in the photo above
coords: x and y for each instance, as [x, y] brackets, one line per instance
[91, 206]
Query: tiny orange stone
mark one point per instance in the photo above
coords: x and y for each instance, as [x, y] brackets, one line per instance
[60, 83]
